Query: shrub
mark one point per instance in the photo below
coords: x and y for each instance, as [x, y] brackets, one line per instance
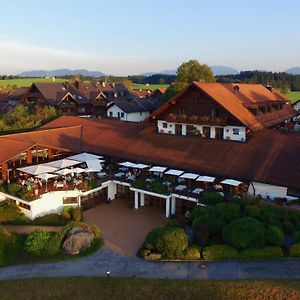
[244, 233]
[297, 236]
[13, 188]
[252, 211]
[198, 211]
[192, 253]
[173, 222]
[37, 241]
[226, 212]
[96, 231]
[67, 209]
[77, 214]
[262, 253]
[170, 242]
[8, 246]
[153, 256]
[53, 245]
[269, 215]
[274, 235]
[143, 252]
[295, 250]
[51, 220]
[217, 252]
[213, 197]
[9, 211]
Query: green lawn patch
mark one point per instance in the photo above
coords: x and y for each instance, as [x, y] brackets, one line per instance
[132, 288]
[24, 82]
[293, 96]
[137, 86]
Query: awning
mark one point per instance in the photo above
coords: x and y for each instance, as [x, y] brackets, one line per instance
[46, 176]
[84, 156]
[174, 172]
[77, 170]
[189, 176]
[38, 169]
[64, 172]
[157, 169]
[231, 182]
[206, 179]
[63, 163]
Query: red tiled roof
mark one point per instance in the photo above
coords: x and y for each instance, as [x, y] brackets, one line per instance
[269, 156]
[235, 101]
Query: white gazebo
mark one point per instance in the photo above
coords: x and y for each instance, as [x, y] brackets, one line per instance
[127, 164]
[45, 177]
[64, 172]
[231, 182]
[189, 176]
[157, 169]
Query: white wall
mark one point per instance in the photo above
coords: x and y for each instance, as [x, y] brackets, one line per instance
[229, 135]
[297, 107]
[267, 191]
[170, 127]
[131, 117]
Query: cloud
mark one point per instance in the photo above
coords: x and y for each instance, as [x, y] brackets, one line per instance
[17, 57]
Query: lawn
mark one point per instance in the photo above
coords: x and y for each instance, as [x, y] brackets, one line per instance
[137, 86]
[132, 288]
[293, 96]
[23, 82]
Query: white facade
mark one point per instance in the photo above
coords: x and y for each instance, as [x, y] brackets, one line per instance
[115, 112]
[233, 133]
[297, 107]
[268, 191]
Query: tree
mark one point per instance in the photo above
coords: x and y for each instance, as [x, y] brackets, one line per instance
[187, 73]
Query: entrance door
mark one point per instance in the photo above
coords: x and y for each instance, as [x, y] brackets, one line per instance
[178, 129]
[206, 131]
[219, 133]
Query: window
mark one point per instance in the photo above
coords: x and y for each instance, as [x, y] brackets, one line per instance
[110, 113]
[81, 109]
[236, 131]
[165, 125]
[122, 115]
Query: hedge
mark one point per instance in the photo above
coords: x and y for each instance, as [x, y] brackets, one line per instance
[220, 252]
[244, 233]
[213, 197]
[8, 246]
[252, 211]
[193, 252]
[37, 242]
[263, 253]
[295, 250]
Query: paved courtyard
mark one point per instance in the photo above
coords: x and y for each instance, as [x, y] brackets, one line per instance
[124, 229]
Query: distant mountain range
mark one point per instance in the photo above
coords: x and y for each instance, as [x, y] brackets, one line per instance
[293, 71]
[61, 72]
[217, 70]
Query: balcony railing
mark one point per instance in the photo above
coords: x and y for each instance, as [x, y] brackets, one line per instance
[198, 120]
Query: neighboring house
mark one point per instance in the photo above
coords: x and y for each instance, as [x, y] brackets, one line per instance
[158, 93]
[296, 106]
[136, 110]
[142, 93]
[225, 111]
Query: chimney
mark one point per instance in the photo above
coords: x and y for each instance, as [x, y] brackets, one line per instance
[236, 88]
[269, 87]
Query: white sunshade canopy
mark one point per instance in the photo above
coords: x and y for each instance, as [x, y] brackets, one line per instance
[63, 163]
[77, 170]
[206, 178]
[174, 172]
[127, 164]
[157, 169]
[231, 182]
[84, 156]
[94, 165]
[46, 176]
[38, 169]
[189, 176]
[141, 166]
[64, 172]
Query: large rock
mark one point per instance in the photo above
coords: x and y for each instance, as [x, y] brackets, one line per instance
[77, 240]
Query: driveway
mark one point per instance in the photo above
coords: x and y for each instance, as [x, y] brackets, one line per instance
[125, 266]
[124, 229]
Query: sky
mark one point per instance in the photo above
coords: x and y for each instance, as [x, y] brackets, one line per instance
[135, 36]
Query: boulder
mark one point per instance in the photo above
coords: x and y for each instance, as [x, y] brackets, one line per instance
[77, 240]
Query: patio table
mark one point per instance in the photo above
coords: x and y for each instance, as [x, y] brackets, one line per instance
[197, 191]
[120, 174]
[180, 187]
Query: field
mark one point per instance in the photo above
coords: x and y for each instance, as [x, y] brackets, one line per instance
[99, 288]
[27, 81]
[137, 86]
[293, 96]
